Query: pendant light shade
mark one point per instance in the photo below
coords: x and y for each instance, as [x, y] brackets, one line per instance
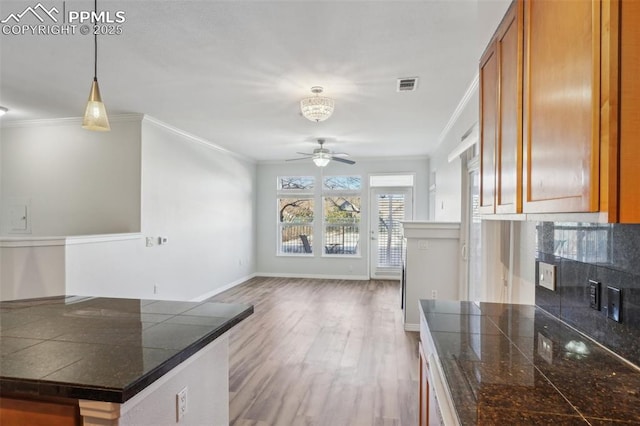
[95, 116]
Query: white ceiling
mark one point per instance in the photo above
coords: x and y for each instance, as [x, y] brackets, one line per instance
[233, 72]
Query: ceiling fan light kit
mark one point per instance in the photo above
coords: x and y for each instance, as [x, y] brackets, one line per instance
[317, 108]
[3, 111]
[95, 115]
[321, 157]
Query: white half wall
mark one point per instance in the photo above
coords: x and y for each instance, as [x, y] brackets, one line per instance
[76, 181]
[32, 270]
[319, 266]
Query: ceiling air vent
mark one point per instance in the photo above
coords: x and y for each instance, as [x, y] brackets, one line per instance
[408, 84]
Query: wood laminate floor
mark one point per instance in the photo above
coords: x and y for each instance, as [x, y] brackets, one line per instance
[322, 352]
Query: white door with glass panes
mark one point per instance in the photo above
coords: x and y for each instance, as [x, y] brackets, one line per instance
[389, 207]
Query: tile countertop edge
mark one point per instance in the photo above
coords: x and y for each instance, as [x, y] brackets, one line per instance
[144, 381]
[38, 387]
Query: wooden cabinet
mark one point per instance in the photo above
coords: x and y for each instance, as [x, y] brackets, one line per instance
[488, 128]
[561, 106]
[565, 100]
[620, 107]
[51, 412]
[501, 117]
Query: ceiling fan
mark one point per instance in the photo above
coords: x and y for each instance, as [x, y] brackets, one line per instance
[322, 156]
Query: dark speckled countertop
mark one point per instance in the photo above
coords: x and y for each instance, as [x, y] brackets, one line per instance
[516, 364]
[101, 348]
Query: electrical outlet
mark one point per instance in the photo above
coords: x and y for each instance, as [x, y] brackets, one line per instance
[434, 294]
[181, 404]
[547, 274]
[614, 304]
[545, 348]
[149, 241]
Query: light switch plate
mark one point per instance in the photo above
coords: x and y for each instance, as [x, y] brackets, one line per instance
[614, 304]
[547, 274]
[594, 294]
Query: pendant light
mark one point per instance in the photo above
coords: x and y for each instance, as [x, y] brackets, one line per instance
[95, 116]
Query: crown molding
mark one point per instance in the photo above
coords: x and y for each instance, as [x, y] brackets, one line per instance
[69, 121]
[193, 138]
[471, 90]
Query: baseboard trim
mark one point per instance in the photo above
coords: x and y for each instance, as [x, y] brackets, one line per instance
[219, 290]
[412, 327]
[313, 276]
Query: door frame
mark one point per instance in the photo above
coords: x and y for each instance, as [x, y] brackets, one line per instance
[372, 234]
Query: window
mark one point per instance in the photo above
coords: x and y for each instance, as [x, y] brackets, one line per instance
[295, 214]
[341, 214]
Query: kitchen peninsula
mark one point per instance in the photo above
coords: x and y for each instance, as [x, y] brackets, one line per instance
[494, 363]
[92, 360]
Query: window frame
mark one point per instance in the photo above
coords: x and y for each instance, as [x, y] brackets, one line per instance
[346, 193]
[295, 193]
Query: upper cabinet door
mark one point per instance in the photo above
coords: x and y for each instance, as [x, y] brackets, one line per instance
[501, 117]
[509, 46]
[562, 106]
[628, 175]
[488, 128]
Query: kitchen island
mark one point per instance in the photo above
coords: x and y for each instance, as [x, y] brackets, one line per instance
[492, 363]
[85, 360]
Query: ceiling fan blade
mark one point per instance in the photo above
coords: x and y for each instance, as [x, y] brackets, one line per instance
[297, 159]
[305, 153]
[343, 160]
[340, 154]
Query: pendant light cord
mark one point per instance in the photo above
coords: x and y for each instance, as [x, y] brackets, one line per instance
[95, 41]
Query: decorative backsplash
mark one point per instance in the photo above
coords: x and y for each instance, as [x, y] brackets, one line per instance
[609, 254]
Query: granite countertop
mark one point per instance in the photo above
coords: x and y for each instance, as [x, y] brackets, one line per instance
[516, 364]
[102, 349]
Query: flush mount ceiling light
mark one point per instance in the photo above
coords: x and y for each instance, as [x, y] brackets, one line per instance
[317, 108]
[95, 115]
[3, 111]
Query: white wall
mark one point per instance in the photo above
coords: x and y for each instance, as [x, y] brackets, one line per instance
[268, 263]
[448, 196]
[203, 200]
[143, 174]
[524, 269]
[77, 181]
